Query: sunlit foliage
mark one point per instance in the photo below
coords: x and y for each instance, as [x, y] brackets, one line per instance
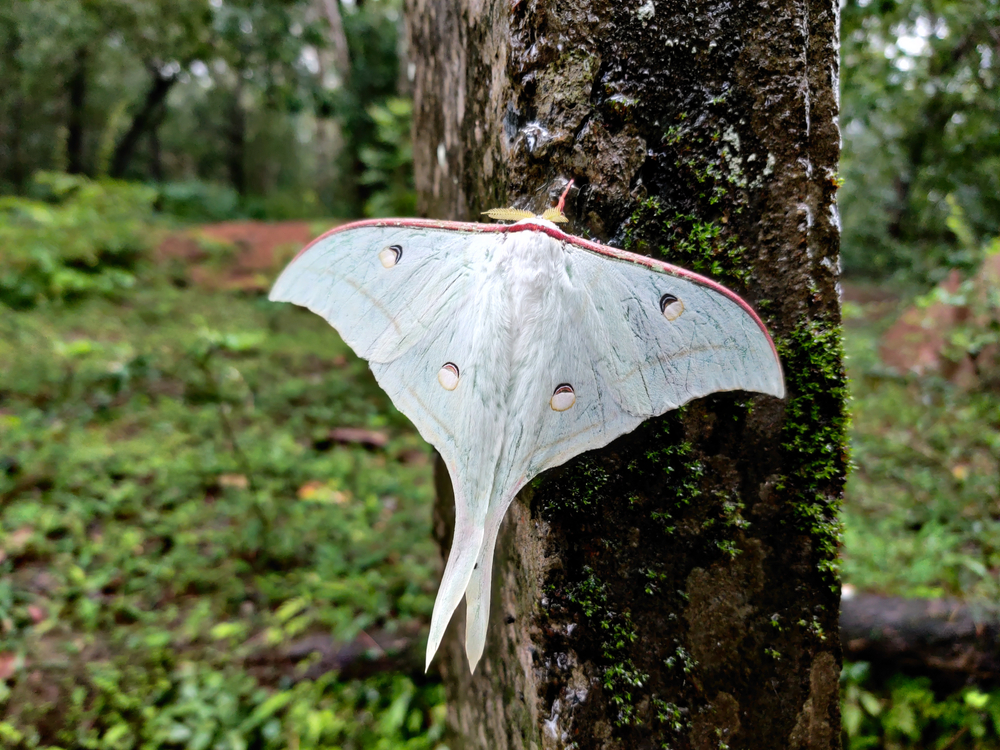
[921, 103]
[246, 94]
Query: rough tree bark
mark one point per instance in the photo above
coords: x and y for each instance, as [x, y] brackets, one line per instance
[678, 588]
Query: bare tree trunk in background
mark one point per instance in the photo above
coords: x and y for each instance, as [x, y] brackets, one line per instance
[76, 89]
[338, 39]
[236, 135]
[677, 588]
[13, 168]
[155, 152]
[143, 121]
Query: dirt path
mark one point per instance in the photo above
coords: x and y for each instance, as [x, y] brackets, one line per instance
[236, 255]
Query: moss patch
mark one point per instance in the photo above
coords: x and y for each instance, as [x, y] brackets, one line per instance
[632, 514]
[582, 487]
[814, 434]
[686, 241]
[618, 633]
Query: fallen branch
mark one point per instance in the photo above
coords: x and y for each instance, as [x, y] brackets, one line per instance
[952, 642]
[310, 657]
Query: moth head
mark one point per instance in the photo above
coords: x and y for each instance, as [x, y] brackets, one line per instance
[550, 215]
[537, 221]
[519, 217]
[508, 214]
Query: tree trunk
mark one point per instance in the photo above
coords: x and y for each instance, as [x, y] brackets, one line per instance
[677, 588]
[952, 642]
[236, 137]
[76, 90]
[144, 119]
[155, 152]
[13, 169]
[338, 40]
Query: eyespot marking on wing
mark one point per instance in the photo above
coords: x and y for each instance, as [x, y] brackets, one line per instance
[390, 255]
[448, 376]
[563, 397]
[671, 307]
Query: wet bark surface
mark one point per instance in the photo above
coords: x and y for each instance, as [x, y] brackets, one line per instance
[677, 588]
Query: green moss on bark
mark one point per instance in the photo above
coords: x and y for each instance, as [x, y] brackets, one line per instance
[582, 487]
[684, 240]
[814, 435]
[617, 634]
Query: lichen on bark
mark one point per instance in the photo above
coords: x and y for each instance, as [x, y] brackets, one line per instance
[677, 588]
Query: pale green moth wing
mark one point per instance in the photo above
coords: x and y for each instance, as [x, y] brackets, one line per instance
[381, 286]
[634, 341]
[412, 300]
[513, 349]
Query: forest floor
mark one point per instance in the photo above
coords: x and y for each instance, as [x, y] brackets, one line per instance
[181, 515]
[922, 514]
[206, 501]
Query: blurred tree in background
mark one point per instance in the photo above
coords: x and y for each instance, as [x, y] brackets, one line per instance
[289, 108]
[921, 107]
[265, 108]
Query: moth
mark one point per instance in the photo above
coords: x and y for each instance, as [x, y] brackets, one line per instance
[513, 348]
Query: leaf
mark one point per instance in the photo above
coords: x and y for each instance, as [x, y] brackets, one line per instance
[870, 703]
[976, 699]
[289, 609]
[226, 630]
[320, 492]
[853, 717]
[266, 710]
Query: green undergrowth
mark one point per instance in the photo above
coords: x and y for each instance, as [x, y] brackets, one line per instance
[71, 239]
[194, 705]
[905, 713]
[174, 512]
[921, 519]
[922, 516]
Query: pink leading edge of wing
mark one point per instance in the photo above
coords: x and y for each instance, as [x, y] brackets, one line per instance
[611, 252]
